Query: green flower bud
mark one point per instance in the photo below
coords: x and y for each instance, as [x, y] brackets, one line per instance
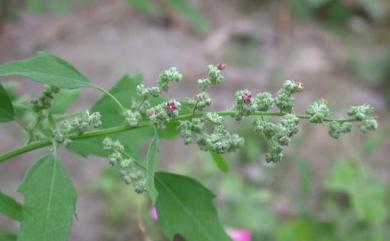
[318, 111]
[292, 87]
[284, 102]
[168, 76]
[132, 117]
[369, 124]
[221, 141]
[148, 92]
[215, 74]
[263, 101]
[275, 155]
[204, 84]
[214, 118]
[243, 104]
[361, 112]
[268, 128]
[336, 128]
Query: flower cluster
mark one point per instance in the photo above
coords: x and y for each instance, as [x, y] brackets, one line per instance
[277, 135]
[131, 173]
[132, 117]
[215, 76]
[207, 129]
[168, 76]
[318, 111]
[46, 100]
[163, 113]
[84, 122]
[365, 114]
[245, 104]
[284, 100]
[220, 140]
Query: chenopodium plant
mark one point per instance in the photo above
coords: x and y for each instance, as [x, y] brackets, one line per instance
[126, 118]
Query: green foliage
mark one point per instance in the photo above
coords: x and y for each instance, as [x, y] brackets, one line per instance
[151, 162]
[337, 11]
[50, 200]
[367, 193]
[8, 237]
[185, 208]
[125, 91]
[304, 230]
[64, 100]
[10, 207]
[220, 161]
[182, 6]
[143, 5]
[131, 115]
[6, 108]
[47, 69]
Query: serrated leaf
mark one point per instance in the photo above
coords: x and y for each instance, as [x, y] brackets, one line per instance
[10, 207]
[47, 69]
[50, 199]
[185, 208]
[151, 162]
[220, 161]
[63, 100]
[6, 108]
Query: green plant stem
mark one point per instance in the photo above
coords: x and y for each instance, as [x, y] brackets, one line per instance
[106, 92]
[122, 128]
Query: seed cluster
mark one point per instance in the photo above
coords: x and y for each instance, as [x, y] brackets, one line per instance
[209, 132]
[84, 122]
[44, 102]
[131, 173]
[207, 129]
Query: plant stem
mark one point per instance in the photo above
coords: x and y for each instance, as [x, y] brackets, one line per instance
[122, 128]
[106, 92]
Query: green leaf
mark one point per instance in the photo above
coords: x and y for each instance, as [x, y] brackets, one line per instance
[151, 162]
[10, 207]
[219, 161]
[6, 108]
[125, 92]
[47, 69]
[185, 208]
[64, 100]
[50, 199]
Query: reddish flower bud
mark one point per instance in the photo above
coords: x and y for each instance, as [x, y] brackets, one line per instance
[221, 66]
[247, 97]
[171, 106]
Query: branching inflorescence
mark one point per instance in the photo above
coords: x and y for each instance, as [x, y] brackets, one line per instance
[113, 129]
[207, 129]
[197, 125]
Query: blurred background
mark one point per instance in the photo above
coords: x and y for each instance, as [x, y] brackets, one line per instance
[325, 189]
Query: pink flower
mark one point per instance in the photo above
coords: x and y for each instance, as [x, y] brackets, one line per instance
[247, 97]
[239, 234]
[153, 213]
[221, 66]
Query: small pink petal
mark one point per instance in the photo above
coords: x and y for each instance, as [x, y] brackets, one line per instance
[239, 234]
[153, 213]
